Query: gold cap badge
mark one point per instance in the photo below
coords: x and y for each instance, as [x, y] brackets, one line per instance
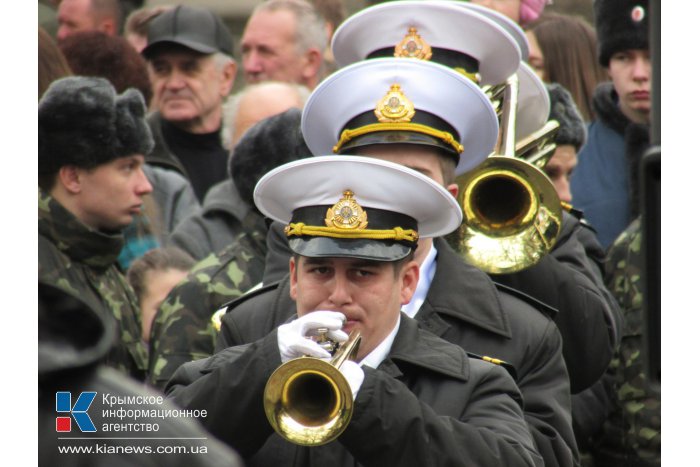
[413, 46]
[346, 213]
[394, 106]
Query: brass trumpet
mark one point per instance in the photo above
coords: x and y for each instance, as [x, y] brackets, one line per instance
[307, 400]
[512, 213]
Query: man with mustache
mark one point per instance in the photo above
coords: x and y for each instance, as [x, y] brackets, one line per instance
[91, 183]
[192, 70]
[604, 185]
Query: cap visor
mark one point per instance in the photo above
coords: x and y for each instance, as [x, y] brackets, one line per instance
[326, 247]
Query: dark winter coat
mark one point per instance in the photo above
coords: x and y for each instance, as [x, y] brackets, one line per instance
[604, 184]
[427, 404]
[223, 217]
[479, 317]
[570, 279]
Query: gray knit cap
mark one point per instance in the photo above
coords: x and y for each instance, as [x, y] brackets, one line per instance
[572, 128]
[83, 122]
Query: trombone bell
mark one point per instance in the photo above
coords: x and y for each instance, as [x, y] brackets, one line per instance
[512, 216]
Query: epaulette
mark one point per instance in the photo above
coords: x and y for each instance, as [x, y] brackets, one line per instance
[545, 309]
[509, 368]
[259, 289]
[578, 214]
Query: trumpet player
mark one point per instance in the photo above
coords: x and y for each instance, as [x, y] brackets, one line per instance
[353, 224]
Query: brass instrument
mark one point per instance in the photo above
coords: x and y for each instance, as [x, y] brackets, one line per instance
[512, 213]
[307, 400]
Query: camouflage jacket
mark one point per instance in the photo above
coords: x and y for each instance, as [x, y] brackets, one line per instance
[632, 432]
[182, 329]
[83, 261]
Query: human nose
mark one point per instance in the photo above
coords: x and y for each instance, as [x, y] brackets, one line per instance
[340, 291]
[252, 62]
[641, 69]
[143, 185]
[175, 80]
[564, 190]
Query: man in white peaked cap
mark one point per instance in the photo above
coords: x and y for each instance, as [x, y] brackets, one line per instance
[384, 108]
[353, 224]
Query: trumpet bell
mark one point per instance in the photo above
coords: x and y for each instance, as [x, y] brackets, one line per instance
[307, 400]
[512, 215]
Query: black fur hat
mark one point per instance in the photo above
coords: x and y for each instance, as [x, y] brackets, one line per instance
[572, 128]
[266, 145]
[83, 122]
[621, 25]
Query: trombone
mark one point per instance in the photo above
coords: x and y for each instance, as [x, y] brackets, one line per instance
[512, 213]
[307, 400]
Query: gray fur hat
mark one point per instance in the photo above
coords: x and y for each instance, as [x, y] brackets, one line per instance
[266, 145]
[83, 122]
[572, 128]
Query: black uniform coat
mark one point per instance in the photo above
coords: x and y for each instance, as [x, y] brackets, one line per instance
[570, 279]
[472, 313]
[427, 404]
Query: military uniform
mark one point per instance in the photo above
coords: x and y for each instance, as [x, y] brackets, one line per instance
[182, 329]
[426, 404]
[83, 261]
[631, 434]
[474, 314]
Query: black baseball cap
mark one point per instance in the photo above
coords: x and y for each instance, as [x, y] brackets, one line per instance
[195, 28]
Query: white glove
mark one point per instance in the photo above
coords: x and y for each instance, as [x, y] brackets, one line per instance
[292, 337]
[354, 374]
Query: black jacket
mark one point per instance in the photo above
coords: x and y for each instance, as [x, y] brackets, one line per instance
[474, 314]
[427, 404]
[570, 279]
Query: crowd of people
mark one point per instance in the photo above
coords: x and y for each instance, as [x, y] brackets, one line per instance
[194, 238]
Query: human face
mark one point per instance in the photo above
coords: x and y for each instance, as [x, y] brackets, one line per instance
[422, 159]
[536, 59]
[368, 293]
[189, 87]
[559, 169]
[108, 196]
[509, 8]
[630, 72]
[270, 51]
[74, 16]
[158, 284]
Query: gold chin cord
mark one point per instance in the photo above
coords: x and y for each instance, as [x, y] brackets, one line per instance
[512, 213]
[307, 400]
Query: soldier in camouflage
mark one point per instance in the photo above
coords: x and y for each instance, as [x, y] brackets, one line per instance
[632, 432]
[91, 146]
[183, 330]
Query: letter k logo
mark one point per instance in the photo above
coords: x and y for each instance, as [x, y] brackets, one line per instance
[79, 411]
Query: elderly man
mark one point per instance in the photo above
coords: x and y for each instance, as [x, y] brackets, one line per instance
[284, 40]
[190, 63]
[417, 400]
[91, 183]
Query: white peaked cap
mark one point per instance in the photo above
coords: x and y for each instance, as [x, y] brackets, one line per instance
[442, 24]
[303, 190]
[433, 89]
[532, 111]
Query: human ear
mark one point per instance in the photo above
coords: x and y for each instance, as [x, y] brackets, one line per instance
[69, 178]
[292, 279]
[409, 281]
